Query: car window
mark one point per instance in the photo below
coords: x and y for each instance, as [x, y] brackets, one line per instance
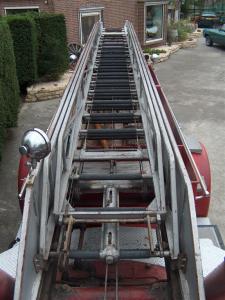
[208, 14]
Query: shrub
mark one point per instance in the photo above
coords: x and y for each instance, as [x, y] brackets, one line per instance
[24, 34]
[9, 88]
[40, 46]
[52, 51]
[183, 29]
[2, 119]
[182, 34]
[154, 51]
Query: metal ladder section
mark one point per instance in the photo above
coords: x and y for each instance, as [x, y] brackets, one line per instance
[114, 161]
[112, 151]
[124, 148]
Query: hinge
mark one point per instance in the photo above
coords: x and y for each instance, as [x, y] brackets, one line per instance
[39, 263]
[180, 263]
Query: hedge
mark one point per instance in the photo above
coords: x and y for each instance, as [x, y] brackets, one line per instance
[40, 46]
[52, 54]
[2, 118]
[9, 88]
[24, 34]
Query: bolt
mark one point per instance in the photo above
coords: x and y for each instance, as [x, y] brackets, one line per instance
[23, 150]
[109, 259]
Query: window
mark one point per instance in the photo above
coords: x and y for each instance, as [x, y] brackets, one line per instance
[20, 10]
[154, 21]
[87, 20]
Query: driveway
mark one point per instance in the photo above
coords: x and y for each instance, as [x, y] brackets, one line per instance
[194, 83]
[31, 115]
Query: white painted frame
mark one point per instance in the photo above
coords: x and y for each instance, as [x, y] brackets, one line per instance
[163, 17]
[95, 11]
[20, 7]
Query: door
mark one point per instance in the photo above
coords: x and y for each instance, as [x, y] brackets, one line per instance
[87, 21]
[222, 36]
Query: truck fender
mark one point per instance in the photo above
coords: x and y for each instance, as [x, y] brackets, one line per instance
[6, 286]
[203, 165]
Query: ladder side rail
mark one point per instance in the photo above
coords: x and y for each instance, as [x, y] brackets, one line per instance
[59, 161]
[59, 116]
[167, 157]
[187, 223]
[27, 278]
[152, 132]
[38, 197]
[69, 133]
[188, 237]
[68, 96]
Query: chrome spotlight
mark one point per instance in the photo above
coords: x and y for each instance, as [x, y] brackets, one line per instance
[36, 145]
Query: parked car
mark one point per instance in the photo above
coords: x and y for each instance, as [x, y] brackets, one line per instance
[207, 20]
[216, 36]
[222, 19]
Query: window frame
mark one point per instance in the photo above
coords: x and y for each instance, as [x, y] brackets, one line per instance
[21, 8]
[93, 11]
[163, 4]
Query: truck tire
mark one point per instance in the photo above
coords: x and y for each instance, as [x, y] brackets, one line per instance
[208, 41]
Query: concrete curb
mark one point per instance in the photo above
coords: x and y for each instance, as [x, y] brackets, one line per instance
[191, 42]
[48, 90]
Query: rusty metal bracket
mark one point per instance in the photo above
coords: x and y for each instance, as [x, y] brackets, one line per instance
[180, 263]
[39, 263]
[63, 258]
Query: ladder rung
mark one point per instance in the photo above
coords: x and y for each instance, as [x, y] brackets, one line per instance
[119, 213]
[119, 155]
[112, 117]
[113, 80]
[112, 84]
[113, 104]
[124, 254]
[112, 97]
[106, 75]
[113, 45]
[111, 56]
[111, 69]
[113, 33]
[110, 76]
[117, 134]
[111, 91]
[105, 62]
[106, 59]
[121, 176]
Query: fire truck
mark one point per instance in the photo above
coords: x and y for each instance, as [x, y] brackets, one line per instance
[114, 198]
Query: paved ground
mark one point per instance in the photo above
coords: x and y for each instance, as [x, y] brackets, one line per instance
[194, 82]
[31, 115]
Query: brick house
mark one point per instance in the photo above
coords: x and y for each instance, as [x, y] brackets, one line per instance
[148, 17]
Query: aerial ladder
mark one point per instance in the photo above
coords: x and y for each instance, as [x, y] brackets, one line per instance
[109, 199]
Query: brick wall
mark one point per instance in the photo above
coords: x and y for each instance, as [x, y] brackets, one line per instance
[19, 3]
[140, 30]
[114, 13]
